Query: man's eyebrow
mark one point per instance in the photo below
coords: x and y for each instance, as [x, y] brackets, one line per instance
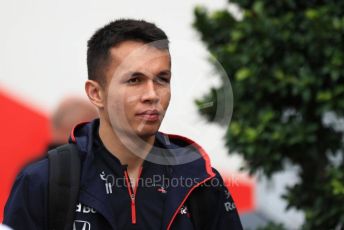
[141, 74]
[165, 72]
[134, 74]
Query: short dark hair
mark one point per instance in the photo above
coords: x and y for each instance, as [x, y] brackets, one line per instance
[114, 33]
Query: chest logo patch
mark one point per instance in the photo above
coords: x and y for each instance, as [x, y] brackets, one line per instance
[81, 225]
[162, 190]
[84, 209]
[109, 181]
[184, 211]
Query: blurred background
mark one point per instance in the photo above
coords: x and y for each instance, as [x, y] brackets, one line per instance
[258, 84]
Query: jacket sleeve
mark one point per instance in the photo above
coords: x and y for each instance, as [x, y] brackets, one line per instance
[26, 206]
[228, 217]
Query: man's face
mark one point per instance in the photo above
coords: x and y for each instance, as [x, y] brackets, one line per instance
[137, 88]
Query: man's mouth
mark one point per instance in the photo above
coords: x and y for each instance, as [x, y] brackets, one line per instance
[149, 115]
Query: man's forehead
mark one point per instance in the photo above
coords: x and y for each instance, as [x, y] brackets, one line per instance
[136, 56]
[135, 50]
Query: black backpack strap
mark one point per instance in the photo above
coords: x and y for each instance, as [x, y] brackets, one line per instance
[64, 182]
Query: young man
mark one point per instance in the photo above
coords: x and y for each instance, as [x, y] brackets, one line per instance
[132, 175]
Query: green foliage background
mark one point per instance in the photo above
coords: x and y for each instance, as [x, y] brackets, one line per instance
[285, 61]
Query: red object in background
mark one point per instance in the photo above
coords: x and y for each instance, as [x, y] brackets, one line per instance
[242, 189]
[24, 135]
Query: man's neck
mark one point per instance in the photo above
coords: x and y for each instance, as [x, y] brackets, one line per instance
[127, 149]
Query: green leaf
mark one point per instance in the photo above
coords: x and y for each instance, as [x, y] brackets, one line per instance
[324, 96]
[235, 128]
[243, 74]
[312, 14]
[338, 187]
[251, 134]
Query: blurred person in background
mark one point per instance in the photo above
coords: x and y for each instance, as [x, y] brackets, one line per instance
[71, 111]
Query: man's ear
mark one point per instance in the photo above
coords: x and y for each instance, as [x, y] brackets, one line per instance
[95, 93]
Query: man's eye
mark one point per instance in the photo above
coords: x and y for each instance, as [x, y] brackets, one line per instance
[133, 80]
[163, 80]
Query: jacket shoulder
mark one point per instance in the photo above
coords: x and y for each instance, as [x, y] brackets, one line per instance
[216, 182]
[38, 171]
[26, 206]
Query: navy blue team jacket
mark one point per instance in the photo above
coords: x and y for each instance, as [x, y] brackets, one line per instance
[173, 171]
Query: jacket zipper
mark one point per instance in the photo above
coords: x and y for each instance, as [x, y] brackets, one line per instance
[132, 194]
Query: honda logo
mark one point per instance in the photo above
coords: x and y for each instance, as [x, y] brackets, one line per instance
[81, 225]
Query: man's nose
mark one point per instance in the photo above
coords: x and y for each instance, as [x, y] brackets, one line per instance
[150, 92]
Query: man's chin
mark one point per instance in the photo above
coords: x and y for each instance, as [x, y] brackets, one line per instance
[147, 132]
[146, 128]
[144, 134]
